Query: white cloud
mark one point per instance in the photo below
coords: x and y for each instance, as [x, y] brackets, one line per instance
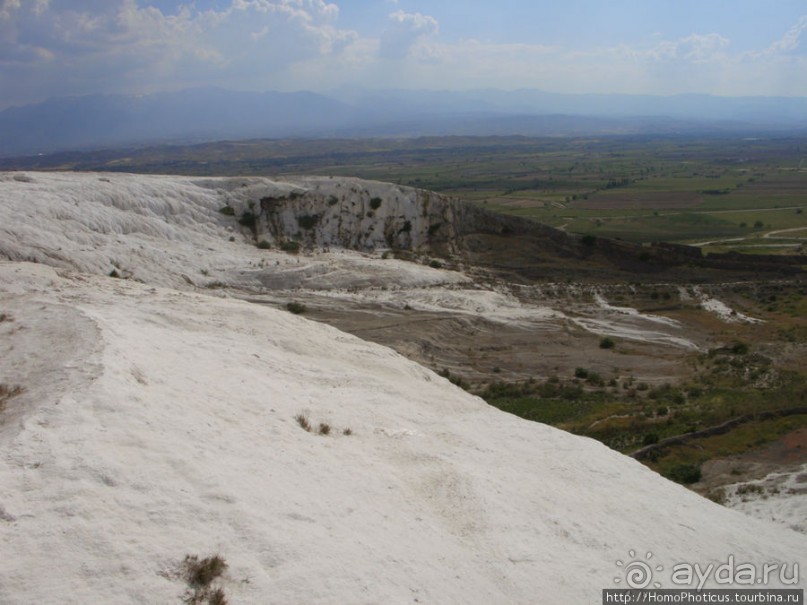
[59, 47]
[121, 46]
[404, 31]
[791, 41]
[8, 8]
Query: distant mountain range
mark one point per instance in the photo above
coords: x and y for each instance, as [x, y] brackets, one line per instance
[196, 115]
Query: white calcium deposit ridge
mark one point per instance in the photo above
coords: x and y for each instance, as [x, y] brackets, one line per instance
[156, 420]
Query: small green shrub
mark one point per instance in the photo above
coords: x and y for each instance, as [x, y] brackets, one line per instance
[375, 203]
[650, 439]
[607, 343]
[685, 474]
[308, 221]
[290, 246]
[595, 379]
[581, 373]
[324, 429]
[264, 245]
[227, 210]
[296, 307]
[739, 348]
[347, 432]
[248, 219]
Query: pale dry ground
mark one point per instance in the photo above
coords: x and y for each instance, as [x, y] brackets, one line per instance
[478, 347]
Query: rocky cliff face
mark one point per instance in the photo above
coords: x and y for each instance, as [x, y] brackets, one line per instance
[324, 212]
[358, 215]
[355, 214]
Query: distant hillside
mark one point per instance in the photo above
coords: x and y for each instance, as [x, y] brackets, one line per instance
[193, 115]
[197, 115]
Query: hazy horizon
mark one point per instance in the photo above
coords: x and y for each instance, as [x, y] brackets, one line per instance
[53, 48]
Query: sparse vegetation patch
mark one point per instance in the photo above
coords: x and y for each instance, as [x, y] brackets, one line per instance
[8, 392]
[308, 221]
[303, 421]
[323, 428]
[296, 307]
[684, 473]
[200, 575]
[248, 219]
[607, 343]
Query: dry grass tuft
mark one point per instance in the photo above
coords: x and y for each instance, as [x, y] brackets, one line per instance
[303, 421]
[8, 392]
[199, 574]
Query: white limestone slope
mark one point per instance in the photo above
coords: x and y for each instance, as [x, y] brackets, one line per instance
[167, 230]
[157, 422]
[169, 429]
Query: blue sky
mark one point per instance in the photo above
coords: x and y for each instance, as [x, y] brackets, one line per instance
[67, 47]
